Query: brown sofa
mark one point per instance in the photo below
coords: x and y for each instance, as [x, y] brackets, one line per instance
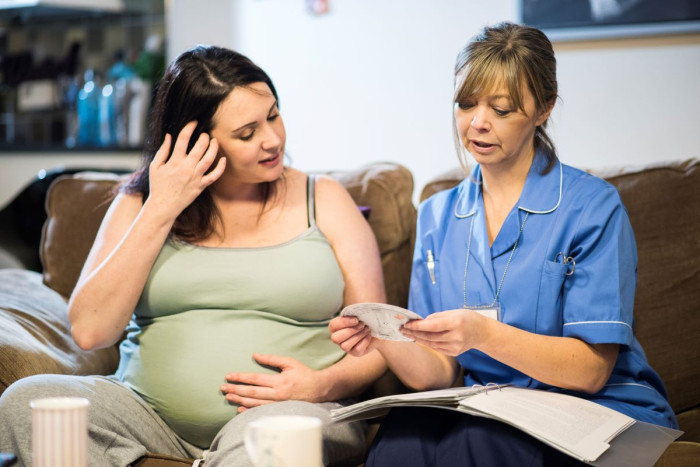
[663, 201]
[34, 326]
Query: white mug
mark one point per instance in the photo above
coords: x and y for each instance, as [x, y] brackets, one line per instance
[59, 432]
[284, 441]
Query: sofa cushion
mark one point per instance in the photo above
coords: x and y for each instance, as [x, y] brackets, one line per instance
[663, 201]
[443, 181]
[35, 335]
[75, 206]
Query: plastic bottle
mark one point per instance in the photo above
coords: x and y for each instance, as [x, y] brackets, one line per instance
[120, 75]
[106, 117]
[71, 88]
[88, 110]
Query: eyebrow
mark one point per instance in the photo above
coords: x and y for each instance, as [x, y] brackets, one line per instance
[501, 96]
[247, 125]
[489, 97]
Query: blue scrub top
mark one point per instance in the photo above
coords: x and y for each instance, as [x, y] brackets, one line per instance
[568, 211]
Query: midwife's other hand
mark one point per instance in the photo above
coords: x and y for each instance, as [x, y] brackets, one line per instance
[451, 332]
[352, 335]
[295, 381]
[177, 180]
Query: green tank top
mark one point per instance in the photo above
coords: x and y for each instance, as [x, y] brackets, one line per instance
[204, 311]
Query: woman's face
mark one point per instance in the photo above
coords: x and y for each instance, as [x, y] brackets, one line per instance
[250, 132]
[494, 130]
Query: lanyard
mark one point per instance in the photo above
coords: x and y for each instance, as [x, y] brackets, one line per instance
[505, 271]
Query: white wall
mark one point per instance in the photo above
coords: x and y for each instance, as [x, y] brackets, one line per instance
[372, 80]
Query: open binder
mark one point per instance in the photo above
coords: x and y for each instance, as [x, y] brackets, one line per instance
[578, 427]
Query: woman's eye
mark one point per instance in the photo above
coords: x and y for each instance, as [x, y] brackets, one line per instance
[272, 117]
[501, 112]
[247, 136]
[465, 105]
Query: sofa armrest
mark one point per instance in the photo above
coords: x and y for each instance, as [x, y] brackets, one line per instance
[36, 335]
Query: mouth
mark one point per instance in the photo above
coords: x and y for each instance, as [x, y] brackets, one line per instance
[482, 145]
[269, 159]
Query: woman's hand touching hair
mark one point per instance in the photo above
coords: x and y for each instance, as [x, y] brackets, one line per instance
[176, 181]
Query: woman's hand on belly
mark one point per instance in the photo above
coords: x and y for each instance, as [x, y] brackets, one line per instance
[295, 381]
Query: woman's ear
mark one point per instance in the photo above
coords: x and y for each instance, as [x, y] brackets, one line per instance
[545, 114]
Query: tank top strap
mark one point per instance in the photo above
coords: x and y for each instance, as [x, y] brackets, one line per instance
[311, 199]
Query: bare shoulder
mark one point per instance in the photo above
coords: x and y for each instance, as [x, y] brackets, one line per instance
[125, 205]
[116, 222]
[120, 215]
[329, 193]
[337, 215]
[331, 190]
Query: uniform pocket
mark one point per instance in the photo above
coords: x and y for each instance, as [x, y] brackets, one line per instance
[556, 269]
[549, 303]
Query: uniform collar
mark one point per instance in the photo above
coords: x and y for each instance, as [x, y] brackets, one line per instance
[541, 193]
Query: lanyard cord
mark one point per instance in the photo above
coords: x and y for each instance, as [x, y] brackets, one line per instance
[503, 277]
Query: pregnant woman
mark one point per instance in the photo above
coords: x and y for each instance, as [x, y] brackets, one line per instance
[225, 267]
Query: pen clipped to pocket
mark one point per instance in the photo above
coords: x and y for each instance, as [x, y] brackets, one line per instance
[430, 263]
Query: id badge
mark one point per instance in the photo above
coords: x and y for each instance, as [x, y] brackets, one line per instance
[491, 311]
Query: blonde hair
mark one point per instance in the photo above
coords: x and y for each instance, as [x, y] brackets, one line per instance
[514, 55]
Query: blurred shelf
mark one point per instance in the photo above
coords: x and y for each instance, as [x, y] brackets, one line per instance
[42, 149]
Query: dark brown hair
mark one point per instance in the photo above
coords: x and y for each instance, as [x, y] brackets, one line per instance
[515, 55]
[193, 87]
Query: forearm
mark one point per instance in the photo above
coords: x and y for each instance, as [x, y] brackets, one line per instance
[105, 297]
[564, 362]
[350, 376]
[417, 366]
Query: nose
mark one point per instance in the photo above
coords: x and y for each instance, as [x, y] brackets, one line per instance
[273, 138]
[479, 119]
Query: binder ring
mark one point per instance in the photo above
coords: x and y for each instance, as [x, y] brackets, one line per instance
[492, 386]
[487, 387]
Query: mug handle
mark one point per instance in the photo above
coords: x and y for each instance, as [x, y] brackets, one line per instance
[250, 439]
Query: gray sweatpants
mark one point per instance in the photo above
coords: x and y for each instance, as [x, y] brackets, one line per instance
[122, 427]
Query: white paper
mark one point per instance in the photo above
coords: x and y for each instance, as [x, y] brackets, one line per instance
[577, 426]
[383, 321]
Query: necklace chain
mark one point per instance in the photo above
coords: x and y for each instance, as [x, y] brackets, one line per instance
[503, 277]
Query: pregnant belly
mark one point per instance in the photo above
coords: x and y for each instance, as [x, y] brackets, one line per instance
[178, 363]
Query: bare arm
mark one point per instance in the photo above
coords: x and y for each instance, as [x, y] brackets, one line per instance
[115, 271]
[564, 362]
[415, 365]
[357, 252]
[418, 367]
[130, 238]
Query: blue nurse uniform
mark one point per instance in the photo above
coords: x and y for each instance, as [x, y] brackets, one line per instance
[565, 213]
